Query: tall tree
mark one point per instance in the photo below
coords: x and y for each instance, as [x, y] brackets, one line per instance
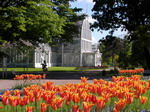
[142, 37]
[117, 50]
[125, 53]
[127, 14]
[137, 54]
[110, 46]
[36, 21]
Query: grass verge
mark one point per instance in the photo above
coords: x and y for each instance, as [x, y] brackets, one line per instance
[49, 69]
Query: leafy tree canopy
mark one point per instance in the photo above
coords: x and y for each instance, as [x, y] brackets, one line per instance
[128, 14]
[142, 34]
[131, 15]
[36, 21]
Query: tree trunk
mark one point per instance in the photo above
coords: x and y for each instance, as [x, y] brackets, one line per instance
[147, 56]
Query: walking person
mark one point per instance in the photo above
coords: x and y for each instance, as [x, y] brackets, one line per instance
[44, 66]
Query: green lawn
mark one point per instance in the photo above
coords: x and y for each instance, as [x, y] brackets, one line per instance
[49, 69]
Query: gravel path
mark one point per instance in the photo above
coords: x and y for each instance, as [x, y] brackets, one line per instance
[58, 78]
[7, 84]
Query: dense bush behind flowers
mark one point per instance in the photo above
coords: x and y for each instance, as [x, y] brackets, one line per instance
[121, 94]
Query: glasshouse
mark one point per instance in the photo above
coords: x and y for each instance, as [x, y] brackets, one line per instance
[79, 53]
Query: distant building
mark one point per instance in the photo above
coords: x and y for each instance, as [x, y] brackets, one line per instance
[79, 53]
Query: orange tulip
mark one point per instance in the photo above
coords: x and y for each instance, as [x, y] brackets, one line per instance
[7, 93]
[53, 106]
[24, 101]
[59, 101]
[43, 107]
[75, 108]
[136, 94]
[29, 109]
[84, 96]
[142, 89]
[31, 98]
[13, 100]
[16, 92]
[143, 99]
[37, 94]
[1, 107]
[67, 95]
[129, 97]
[106, 96]
[87, 106]
[120, 104]
[48, 96]
[4, 99]
[56, 103]
[120, 93]
[83, 79]
[101, 81]
[95, 81]
[100, 102]
[44, 86]
[21, 102]
[75, 98]
[49, 85]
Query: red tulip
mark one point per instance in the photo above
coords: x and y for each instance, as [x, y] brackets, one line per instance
[143, 99]
[4, 99]
[75, 108]
[43, 107]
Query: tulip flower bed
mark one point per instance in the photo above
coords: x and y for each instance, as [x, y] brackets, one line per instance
[131, 72]
[27, 79]
[121, 94]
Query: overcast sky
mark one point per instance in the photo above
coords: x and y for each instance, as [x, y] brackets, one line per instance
[87, 5]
